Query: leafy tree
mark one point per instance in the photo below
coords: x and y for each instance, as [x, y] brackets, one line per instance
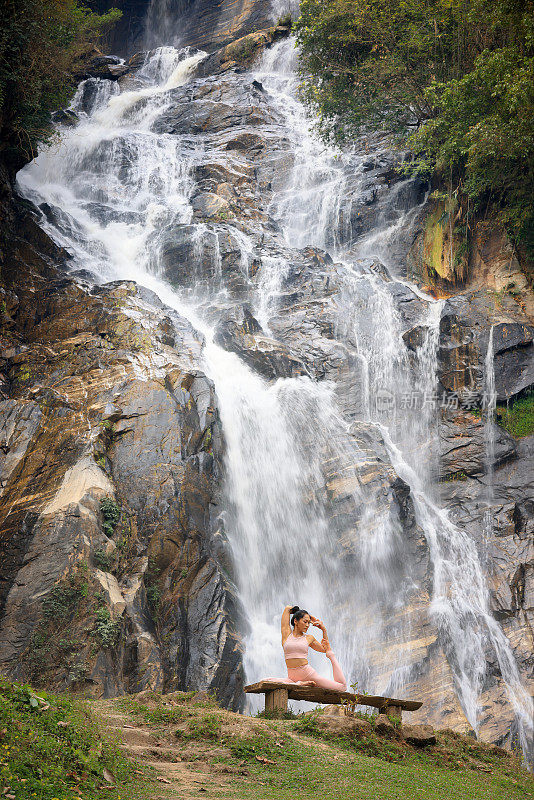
[453, 80]
[41, 43]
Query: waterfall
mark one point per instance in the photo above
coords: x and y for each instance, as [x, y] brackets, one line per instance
[113, 186]
[489, 402]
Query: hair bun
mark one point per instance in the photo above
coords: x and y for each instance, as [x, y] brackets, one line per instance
[294, 610]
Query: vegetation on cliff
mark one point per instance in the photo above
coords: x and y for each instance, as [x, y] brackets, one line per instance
[453, 80]
[41, 44]
[518, 417]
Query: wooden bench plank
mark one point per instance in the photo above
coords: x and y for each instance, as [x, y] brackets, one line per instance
[316, 694]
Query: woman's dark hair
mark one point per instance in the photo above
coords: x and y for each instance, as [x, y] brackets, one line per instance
[297, 613]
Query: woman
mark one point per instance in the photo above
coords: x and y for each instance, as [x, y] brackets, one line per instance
[295, 644]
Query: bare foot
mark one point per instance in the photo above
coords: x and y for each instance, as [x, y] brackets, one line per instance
[306, 683]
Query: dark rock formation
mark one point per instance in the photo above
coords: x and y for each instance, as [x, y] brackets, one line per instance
[104, 404]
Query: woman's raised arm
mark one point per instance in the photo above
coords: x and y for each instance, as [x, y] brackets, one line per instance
[325, 644]
[286, 627]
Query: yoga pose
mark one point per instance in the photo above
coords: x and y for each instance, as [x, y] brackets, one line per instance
[296, 643]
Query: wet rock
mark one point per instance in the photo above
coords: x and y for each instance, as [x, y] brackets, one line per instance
[210, 205]
[460, 363]
[215, 105]
[111, 589]
[109, 384]
[88, 93]
[112, 359]
[106, 67]
[463, 446]
[241, 333]
[210, 26]
[189, 255]
[66, 117]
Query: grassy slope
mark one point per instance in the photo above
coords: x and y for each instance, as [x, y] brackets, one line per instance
[204, 751]
[51, 749]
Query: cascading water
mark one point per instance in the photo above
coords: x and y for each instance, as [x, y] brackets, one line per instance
[112, 188]
[460, 604]
[489, 403]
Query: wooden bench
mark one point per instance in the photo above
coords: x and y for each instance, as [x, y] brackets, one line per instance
[277, 694]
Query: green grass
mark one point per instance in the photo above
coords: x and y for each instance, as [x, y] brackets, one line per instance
[52, 749]
[309, 774]
[518, 417]
[343, 771]
[371, 768]
[263, 759]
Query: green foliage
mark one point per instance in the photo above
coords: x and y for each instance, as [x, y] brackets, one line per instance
[308, 723]
[286, 20]
[161, 715]
[51, 748]
[518, 417]
[241, 51]
[278, 761]
[153, 595]
[153, 589]
[59, 647]
[264, 745]
[106, 629]
[102, 560]
[289, 714]
[62, 601]
[110, 514]
[158, 713]
[41, 42]
[453, 80]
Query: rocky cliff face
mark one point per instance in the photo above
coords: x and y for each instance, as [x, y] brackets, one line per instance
[110, 488]
[117, 573]
[486, 474]
[208, 24]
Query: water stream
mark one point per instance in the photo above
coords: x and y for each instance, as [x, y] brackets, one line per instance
[111, 188]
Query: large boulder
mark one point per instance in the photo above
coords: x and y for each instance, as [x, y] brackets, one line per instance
[242, 334]
[419, 735]
[343, 725]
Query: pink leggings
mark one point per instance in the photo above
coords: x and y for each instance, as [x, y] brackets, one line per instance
[307, 673]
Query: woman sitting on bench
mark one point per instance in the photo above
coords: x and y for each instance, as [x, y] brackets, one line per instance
[295, 644]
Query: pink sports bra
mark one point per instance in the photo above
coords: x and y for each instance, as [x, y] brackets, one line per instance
[296, 647]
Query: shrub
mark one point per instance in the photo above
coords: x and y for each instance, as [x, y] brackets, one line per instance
[451, 79]
[111, 514]
[205, 727]
[64, 598]
[51, 747]
[102, 560]
[242, 51]
[41, 42]
[106, 629]
[286, 20]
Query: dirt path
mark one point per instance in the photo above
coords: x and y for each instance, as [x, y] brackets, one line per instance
[185, 773]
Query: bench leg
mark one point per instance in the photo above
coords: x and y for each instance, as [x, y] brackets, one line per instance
[276, 701]
[394, 711]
